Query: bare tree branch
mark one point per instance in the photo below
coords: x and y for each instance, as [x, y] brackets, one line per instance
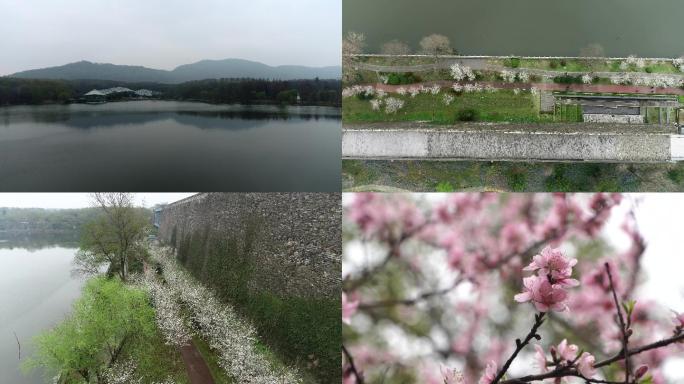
[623, 326]
[519, 345]
[350, 359]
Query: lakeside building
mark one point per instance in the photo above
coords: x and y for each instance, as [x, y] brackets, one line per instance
[117, 93]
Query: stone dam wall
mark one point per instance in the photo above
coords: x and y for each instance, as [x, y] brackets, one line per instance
[288, 243]
[507, 142]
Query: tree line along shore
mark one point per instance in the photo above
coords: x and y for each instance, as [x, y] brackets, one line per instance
[323, 92]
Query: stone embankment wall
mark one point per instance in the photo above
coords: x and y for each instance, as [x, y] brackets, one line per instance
[276, 257]
[557, 142]
[289, 243]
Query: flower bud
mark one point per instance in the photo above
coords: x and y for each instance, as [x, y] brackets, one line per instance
[641, 371]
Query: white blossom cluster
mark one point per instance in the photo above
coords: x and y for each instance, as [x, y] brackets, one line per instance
[620, 79]
[516, 91]
[472, 88]
[384, 79]
[230, 335]
[376, 104]
[534, 91]
[679, 63]
[461, 72]
[648, 80]
[122, 372]
[380, 93]
[524, 76]
[447, 99]
[639, 62]
[417, 90]
[508, 75]
[587, 78]
[392, 105]
[511, 76]
[167, 311]
[354, 90]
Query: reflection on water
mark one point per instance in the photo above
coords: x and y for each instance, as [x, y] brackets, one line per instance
[34, 241]
[36, 292]
[165, 146]
[524, 27]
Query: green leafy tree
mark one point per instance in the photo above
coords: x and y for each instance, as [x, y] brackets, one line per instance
[109, 318]
[113, 239]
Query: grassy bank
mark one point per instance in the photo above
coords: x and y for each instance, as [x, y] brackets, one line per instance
[502, 105]
[445, 176]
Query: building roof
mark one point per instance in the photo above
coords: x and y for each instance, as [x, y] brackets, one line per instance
[94, 92]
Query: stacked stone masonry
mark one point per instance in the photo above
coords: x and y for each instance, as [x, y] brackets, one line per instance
[295, 238]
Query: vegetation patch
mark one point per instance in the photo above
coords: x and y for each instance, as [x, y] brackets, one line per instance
[502, 105]
[112, 333]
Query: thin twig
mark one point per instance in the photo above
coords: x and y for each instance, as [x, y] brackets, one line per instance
[622, 324]
[421, 297]
[350, 359]
[18, 344]
[658, 344]
[519, 345]
[620, 356]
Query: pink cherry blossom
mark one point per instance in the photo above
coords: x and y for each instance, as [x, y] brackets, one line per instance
[514, 237]
[553, 263]
[585, 365]
[567, 352]
[544, 295]
[349, 307]
[452, 376]
[679, 320]
[490, 373]
[540, 358]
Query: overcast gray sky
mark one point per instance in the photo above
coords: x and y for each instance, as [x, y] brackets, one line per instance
[78, 200]
[166, 33]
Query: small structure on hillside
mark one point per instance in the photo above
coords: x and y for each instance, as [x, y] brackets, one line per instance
[95, 96]
[118, 93]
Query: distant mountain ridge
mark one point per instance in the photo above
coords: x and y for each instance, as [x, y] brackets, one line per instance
[201, 70]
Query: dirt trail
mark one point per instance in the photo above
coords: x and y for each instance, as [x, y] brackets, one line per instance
[197, 368]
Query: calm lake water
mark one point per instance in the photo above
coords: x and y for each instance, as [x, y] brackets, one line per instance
[36, 292]
[169, 146]
[524, 27]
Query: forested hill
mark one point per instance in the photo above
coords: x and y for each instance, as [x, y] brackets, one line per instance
[201, 70]
[14, 91]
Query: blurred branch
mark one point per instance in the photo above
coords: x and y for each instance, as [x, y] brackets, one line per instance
[417, 299]
[350, 359]
[623, 326]
[658, 344]
[394, 248]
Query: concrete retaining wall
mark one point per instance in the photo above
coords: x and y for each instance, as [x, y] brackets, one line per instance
[504, 144]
